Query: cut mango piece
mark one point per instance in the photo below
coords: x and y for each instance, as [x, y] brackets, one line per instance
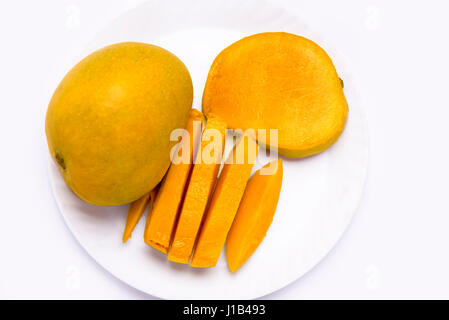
[136, 210]
[254, 215]
[282, 81]
[225, 202]
[202, 181]
[153, 194]
[160, 226]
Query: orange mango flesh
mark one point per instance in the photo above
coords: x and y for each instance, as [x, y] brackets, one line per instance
[202, 181]
[153, 194]
[254, 216]
[282, 81]
[160, 225]
[224, 203]
[136, 210]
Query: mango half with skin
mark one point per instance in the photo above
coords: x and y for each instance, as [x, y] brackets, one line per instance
[109, 121]
[278, 80]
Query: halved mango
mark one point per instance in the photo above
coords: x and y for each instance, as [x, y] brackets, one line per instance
[161, 224]
[225, 202]
[202, 181]
[281, 81]
[254, 216]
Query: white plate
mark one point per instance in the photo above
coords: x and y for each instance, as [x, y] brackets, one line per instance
[319, 194]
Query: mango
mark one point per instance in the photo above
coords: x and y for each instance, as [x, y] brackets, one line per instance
[135, 212]
[109, 121]
[282, 81]
[161, 223]
[254, 215]
[199, 189]
[225, 202]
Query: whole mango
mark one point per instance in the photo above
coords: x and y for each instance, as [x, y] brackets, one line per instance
[109, 121]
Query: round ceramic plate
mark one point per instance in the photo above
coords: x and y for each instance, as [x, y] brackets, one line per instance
[319, 194]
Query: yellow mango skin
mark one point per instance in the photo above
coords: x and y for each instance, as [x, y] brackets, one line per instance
[278, 80]
[202, 181]
[253, 217]
[161, 223]
[224, 204]
[109, 121]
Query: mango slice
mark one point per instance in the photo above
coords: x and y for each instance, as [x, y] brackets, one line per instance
[225, 202]
[136, 210]
[280, 81]
[153, 194]
[254, 216]
[161, 224]
[202, 181]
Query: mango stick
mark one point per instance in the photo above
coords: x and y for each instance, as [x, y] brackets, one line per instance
[136, 210]
[202, 181]
[225, 202]
[254, 216]
[161, 223]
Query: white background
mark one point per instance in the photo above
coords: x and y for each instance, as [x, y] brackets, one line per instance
[397, 243]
